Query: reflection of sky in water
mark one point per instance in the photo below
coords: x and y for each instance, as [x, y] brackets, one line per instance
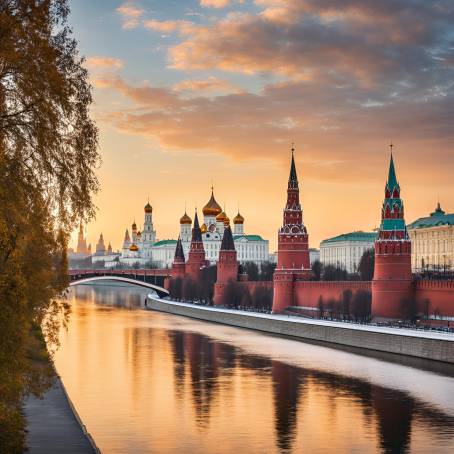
[151, 382]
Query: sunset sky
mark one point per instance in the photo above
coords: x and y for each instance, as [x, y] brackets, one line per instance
[194, 92]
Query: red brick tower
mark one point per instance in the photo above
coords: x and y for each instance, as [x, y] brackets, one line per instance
[293, 247]
[392, 282]
[196, 256]
[178, 265]
[227, 268]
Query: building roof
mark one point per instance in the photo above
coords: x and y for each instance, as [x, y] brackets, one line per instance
[164, 242]
[212, 208]
[196, 232]
[392, 179]
[248, 237]
[352, 236]
[293, 179]
[227, 240]
[438, 217]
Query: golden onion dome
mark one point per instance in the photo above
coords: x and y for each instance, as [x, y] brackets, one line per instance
[221, 217]
[203, 228]
[134, 226]
[133, 248]
[185, 219]
[148, 208]
[212, 208]
[238, 219]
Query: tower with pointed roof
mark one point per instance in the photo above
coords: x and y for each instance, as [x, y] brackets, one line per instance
[81, 241]
[196, 256]
[293, 261]
[392, 282]
[227, 267]
[178, 265]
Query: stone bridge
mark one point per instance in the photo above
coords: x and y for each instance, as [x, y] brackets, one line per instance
[151, 279]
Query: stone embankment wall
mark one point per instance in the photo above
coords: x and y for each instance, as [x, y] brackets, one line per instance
[419, 345]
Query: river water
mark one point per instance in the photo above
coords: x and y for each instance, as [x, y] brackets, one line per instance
[144, 382]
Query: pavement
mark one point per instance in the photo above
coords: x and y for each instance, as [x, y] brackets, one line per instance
[52, 425]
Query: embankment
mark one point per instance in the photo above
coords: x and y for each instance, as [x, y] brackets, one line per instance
[420, 344]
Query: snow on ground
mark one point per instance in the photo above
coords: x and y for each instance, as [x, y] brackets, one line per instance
[307, 321]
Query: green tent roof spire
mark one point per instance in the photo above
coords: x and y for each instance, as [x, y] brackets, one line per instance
[392, 179]
[293, 179]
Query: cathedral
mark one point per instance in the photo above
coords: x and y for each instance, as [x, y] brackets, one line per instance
[250, 248]
[141, 246]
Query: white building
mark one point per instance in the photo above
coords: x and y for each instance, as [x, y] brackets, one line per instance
[432, 241]
[345, 251]
[249, 247]
[314, 255]
[142, 248]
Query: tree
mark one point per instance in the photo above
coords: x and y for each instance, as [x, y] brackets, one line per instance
[252, 270]
[347, 296]
[48, 157]
[408, 309]
[361, 305]
[206, 283]
[233, 294]
[176, 288]
[317, 270]
[267, 271]
[366, 265]
[262, 298]
[321, 306]
[334, 273]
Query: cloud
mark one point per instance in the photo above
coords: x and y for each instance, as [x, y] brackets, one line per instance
[214, 3]
[168, 26]
[130, 14]
[327, 119]
[369, 41]
[104, 62]
[209, 85]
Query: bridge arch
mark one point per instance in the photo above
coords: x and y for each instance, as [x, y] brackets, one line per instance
[86, 280]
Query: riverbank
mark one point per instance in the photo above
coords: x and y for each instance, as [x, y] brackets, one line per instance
[53, 425]
[427, 345]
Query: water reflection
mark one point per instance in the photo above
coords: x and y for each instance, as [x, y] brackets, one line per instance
[164, 386]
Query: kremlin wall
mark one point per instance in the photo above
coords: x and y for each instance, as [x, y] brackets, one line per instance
[394, 291]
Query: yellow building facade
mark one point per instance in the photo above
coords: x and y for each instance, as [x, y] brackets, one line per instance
[432, 241]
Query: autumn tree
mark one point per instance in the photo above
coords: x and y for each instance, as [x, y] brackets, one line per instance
[48, 156]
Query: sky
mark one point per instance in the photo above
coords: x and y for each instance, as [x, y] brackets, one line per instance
[194, 93]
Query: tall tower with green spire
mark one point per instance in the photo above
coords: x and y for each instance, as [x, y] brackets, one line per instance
[392, 283]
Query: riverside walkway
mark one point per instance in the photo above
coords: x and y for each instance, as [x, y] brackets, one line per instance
[53, 427]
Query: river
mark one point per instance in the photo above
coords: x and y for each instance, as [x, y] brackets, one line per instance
[145, 382]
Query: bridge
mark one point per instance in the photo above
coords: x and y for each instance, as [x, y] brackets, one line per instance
[151, 279]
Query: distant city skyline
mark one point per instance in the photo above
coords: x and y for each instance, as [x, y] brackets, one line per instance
[187, 94]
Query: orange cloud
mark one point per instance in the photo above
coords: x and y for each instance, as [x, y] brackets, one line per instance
[131, 14]
[209, 85]
[214, 3]
[168, 26]
[371, 42]
[104, 62]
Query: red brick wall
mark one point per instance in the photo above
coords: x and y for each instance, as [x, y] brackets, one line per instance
[440, 294]
[307, 293]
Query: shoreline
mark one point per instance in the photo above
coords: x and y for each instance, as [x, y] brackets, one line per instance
[437, 347]
[54, 426]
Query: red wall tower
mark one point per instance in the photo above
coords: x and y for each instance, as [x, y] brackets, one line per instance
[227, 268]
[293, 247]
[392, 283]
[178, 265]
[196, 256]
